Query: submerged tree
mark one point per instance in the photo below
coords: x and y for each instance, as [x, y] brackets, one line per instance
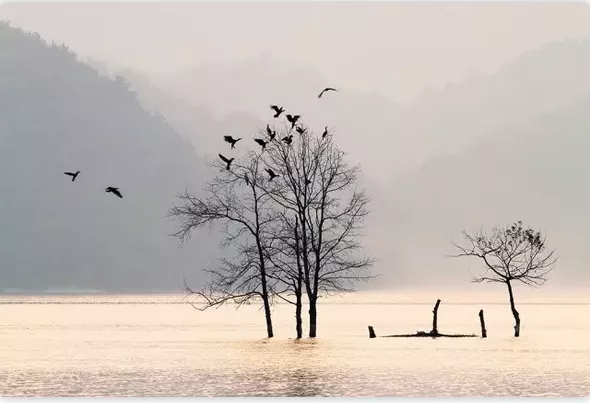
[317, 185]
[236, 201]
[512, 253]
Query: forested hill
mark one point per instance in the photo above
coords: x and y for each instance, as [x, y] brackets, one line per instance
[58, 114]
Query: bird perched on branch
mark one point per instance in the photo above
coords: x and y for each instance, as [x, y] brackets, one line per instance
[300, 130]
[271, 133]
[72, 174]
[278, 110]
[231, 140]
[325, 90]
[261, 142]
[292, 119]
[287, 139]
[246, 179]
[115, 191]
[325, 133]
[227, 161]
[271, 173]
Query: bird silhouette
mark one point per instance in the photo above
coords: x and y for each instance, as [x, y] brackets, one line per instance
[115, 191]
[227, 161]
[261, 142]
[300, 130]
[271, 173]
[278, 110]
[325, 133]
[308, 181]
[325, 90]
[271, 133]
[288, 139]
[292, 119]
[72, 174]
[246, 179]
[231, 140]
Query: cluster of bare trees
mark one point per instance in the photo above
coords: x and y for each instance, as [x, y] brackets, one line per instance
[292, 213]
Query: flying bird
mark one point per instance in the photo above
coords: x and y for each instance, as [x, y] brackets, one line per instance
[231, 140]
[325, 133]
[278, 110]
[115, 191]
[72, 174]
[292, 119]
[288, 139]
[261, 142]
[271, 173]
[300, 130]
[271, 133]
[227, 161]
[325, 90]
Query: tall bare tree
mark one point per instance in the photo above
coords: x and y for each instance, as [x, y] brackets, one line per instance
[510, 253]
[236, 201]
[317, 184]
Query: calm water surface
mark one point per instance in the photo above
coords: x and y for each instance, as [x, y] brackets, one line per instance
[160, 346]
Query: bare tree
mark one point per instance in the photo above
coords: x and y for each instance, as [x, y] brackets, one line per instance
[317, 184]
[236, 201]
[511, 253]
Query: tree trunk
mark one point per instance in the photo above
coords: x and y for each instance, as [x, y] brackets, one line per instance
[434, 330]
[268, 314]
[482, 327]
[517, 326]
[313, 317]
[298, 284]
[299, 316]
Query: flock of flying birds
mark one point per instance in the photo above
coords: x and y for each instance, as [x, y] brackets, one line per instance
[110, 189]
[293, 119]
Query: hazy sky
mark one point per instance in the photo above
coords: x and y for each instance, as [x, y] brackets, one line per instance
[396, 48]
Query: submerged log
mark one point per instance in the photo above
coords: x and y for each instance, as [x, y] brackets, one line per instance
[419, 333]
[482, 327]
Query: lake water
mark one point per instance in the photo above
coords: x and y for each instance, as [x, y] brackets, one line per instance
[161, 346]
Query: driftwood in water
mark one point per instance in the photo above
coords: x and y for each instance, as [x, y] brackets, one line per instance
[419, 334]
[482, 327]
[433, 333]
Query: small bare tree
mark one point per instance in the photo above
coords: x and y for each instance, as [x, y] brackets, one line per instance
[511, 253]
[234, 200]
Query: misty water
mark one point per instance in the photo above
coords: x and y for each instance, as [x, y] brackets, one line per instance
[160, 346]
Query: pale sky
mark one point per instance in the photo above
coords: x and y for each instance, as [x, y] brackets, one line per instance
[394, 48]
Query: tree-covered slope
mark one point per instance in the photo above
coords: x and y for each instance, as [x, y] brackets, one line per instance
[58, 114]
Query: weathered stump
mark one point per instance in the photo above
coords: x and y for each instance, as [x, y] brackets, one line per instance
[372, 334]
[482, 327]
[434, 329]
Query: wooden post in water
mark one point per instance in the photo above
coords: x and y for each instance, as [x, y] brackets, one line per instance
[434, 330]
[372, 334]
[482, 327]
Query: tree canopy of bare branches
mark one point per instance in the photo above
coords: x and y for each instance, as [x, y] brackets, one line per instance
[510, 253]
